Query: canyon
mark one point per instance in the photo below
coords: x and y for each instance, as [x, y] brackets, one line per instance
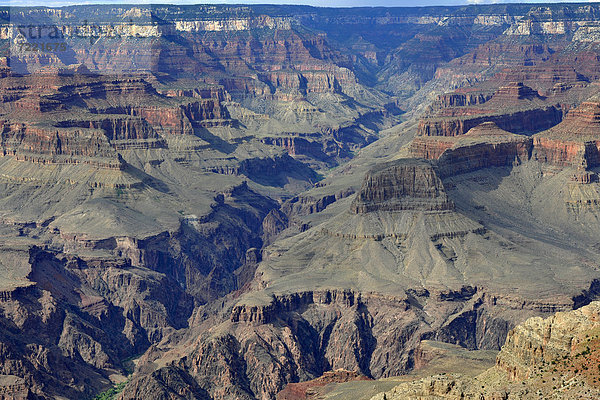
[287, 202]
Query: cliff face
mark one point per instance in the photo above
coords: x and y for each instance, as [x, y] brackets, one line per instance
[185, 206]
[405, 185]
[555, 340]
[574, 142]
[528, 114]
[43, 145]
[552, 357]
[484, 146]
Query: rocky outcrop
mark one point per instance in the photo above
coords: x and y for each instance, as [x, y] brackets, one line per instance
[407, 184]
[554, 357]
[210, 92]
[551, 341]
[306, 205]
[275, 222]
[484, 146]
[430, 147]
[274, 170]
[302, 391]
[330, 80]
[563, 152]
[523, 122]
[583, 120]
[264, 314]
[514, 91]
[122, 132]
[460, 98]
[180, 120]
[320, 149]
[44, 145]
[575, 141]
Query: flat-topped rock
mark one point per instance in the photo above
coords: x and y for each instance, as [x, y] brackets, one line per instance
[575, 141]
[583, 120]
[408, 184]
[515, 91]
[483, 146]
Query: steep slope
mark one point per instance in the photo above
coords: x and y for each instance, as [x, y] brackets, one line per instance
[226, 201]
[550, 358]
[381, 280]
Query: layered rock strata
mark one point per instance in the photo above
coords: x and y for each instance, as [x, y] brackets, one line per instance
[407, 184]
[515, 108]
[484, 146]
[554, 357]
[574, 142]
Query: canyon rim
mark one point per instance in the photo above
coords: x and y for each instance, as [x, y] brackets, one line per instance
[293, 202]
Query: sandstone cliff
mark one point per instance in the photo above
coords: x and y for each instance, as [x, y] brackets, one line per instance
[550, 358]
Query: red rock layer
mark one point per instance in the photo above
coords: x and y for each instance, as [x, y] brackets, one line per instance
[583, 120]
[42, 145]
[541, 75]
[514, 107]
[567, 152]
[429, 149]
[301, 391]
[483, 146]
[179, 120]
[575, 141]
[518, 122]
[514, 91]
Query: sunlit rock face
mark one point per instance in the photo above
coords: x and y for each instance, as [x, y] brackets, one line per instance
[405, 185]
[261, 202]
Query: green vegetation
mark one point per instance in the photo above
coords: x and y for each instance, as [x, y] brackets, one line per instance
[112, 393]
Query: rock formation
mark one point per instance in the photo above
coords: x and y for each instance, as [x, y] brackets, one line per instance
[403, 185]
[552, 358]
[230, 196]
[575, 141]
[515, 108]
[483, 146]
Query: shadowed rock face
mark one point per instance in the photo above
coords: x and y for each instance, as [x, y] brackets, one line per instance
[190, 214]
[573, 142]
[402, 185]
[516, 108]
[483, 146]
[550, 357]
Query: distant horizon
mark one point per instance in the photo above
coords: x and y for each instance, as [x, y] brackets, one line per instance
[314, 3]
